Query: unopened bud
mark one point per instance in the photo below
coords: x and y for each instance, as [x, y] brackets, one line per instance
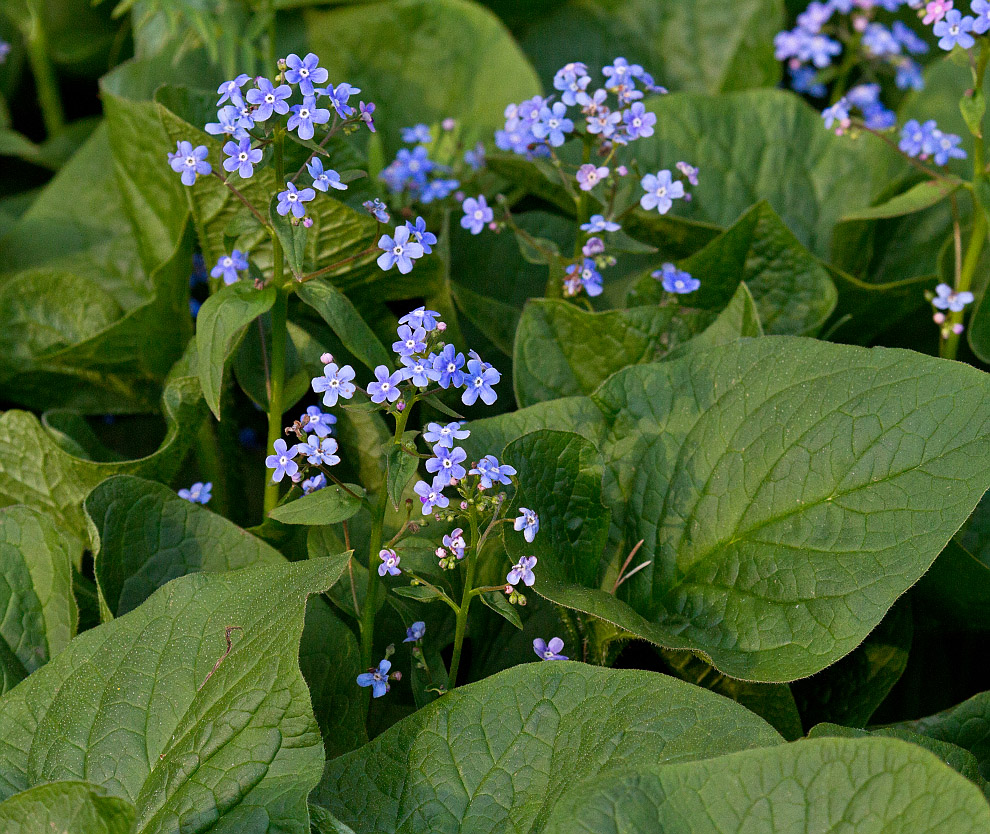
[939, 318]
[396, 676]
[400, 405]
[957, 329]
[327, 358]
[448, 124]
[441, 326]
[307, 221]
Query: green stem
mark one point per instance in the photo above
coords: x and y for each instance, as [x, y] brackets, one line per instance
[374, 545]
[460, 629]
[978, 235]
[211, 469]
[49, 98]
[279, 316]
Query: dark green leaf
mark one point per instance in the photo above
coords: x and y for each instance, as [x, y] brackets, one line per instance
[921, 196]
[72, 807]
[220, 326]
[337, 311]
[500, 605]
[967, 725]
[291, 235]
[400, 467]
[329, 505]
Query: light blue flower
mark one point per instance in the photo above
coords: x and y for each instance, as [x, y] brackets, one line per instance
[529, 522]
[282, 461]
[198, 493]
[324, 179]
[661, 191]
[431, 496]
[305, 72]
[241, 157]
[385, 386]
[292, 199]
[268, 99]
[445, 436]
[228, 266]
[377, 679]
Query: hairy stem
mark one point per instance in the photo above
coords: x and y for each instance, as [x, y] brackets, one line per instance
[279, 316]
[460, 629]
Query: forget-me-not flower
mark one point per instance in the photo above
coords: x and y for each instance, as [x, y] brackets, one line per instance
[549, 651]
[228, 266]
[335, 382]
[478, 382]
[476, 214]
[399, 250]
[241, 157]
[305, 72]
[522, 571]
[317, 422]
[292, 199]
[190, 162]
[324, 179]
[377, 679]
[431, 495]
[268, 99]
[529, 522]
[385, 386]
[198, 493]
[282, 461]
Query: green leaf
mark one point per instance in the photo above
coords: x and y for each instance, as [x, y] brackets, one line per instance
[337, 310]
[967, 725]
[500, 605]
[872, 785]
[220, 326]
[962, 761]
[302, 362]
[793, 291]
[35, 470]
[38, 613]
[151, 707]
[145, 535]
[561, 350]
[956, 590]
[420, 593]
[678, 41]
[921, 196]
[76, 807]
[338, 231]
[291, 235]
[400, 467]
[973, 106]
[329, 505]
[735, 141]
[496, 320]
[482, 71]
[739, 320]
[849, 692]
[496, 754]
[821, 472]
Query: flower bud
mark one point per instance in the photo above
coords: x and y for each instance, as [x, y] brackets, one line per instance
[939, 318]
[326, 358]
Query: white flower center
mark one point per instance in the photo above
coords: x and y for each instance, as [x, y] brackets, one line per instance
[479, 215]
[397, 250]
[228, 262]
[451, 367]
[303, 113]
[190, 161]
[662, 191]
[291, 197]
[385, 386]
[283, 460]
[269, 98]
[304, 72]
[242, 156]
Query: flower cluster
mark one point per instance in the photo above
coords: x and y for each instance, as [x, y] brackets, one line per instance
[413, 174]
[828, 28]
[198, 493]
[925, 141]
[676, 280]
[952, 27]
[947, 300]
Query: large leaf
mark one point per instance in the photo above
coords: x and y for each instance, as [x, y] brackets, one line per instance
[828, 785]
[966, 725]
[76, 807]
[38, 608]
[36, 470]
[345, 321]
[95, 322]
[682, 44]
[220, 326]
[956, 590]
[786, 492]
[792, 289]
[810, 181]
[338, 231]
[329, 505]
[561, 350]
[145, 535]
[496, 754]
[481, 72]
[152, 708]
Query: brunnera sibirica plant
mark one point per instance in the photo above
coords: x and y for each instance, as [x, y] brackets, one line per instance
[531, 448]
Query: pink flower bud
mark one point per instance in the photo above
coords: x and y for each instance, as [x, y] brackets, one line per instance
[957, 328]
[400, 405]
[327, 358]
[939, 318]
[622, 170]
[448, 124]
[441, 326]
[307, 221]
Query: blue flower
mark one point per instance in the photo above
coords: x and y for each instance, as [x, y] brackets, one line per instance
[553, 124]
[292, 199]
[571, 79]
[584, 275]
[416, 133]
[676, 280]
[419, 371]
[908, 76]
[438, 190]
[838, 112]
[981, 8]
[475, 158]
[639, 121]
[4, 51]
[954, 30]
[232, 89]
[324, 179]
[478, 382]
[241, 158]
[338, 98]
[907, 37]
[377, 679]
[228, 121]
[367, 114]
[305, 115]
[549, 651]
[268, 99]
[588, 176]
[522, 571]
[597, 223]
[421, 317]
[431, 496]
[476, 214]
[455, 543]
[198, 493]
[399, 250]
[917, 138]
[415, 632]
[661, 191]
[305, 72]
[445, 435]
[805, 80]
[282, 461]
[376, 208]
[228, 266]
[446, 464]
[418, 233]
[528, 522]
[603, 121]
[449, 362]
[813, 18]
[190, 162]
[689, 171]
[492, 472]
[947, 298]
[319, 450]
[946, 147]
[620, 71]
[317, 422]
[335, 382]
[820, 50]
[879, 40]
[390, 562]
[317, 482]
[386, 386]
